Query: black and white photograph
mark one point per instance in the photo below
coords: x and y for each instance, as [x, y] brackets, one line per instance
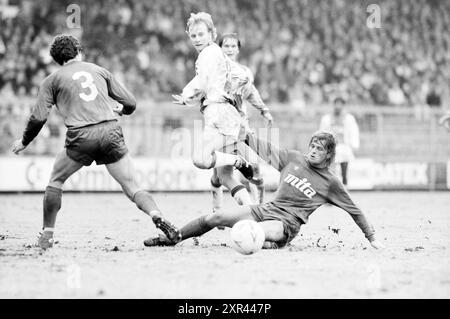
[249, 150]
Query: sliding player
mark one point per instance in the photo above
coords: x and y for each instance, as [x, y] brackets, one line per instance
[244, 91]
[82, 92]
[306, 183]
[210, 91]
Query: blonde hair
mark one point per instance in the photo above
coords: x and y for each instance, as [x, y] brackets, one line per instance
[206, 19]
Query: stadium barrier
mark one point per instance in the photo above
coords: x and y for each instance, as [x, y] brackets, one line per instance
[31, 174]
[391, 134]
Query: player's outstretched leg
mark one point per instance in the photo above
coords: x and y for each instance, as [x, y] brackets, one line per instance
[63, 168]
[211, 152]
[144, 201]
[237, 190]
[274, 234]
[204, 224]
[270, 245]
[219, 159]
[52, 205]
[124, 173]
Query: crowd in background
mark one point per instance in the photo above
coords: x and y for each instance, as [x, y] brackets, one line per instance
[300, 50]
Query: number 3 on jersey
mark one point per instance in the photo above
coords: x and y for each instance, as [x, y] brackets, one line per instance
[88, 83]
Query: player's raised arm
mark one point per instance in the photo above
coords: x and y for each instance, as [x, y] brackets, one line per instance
[254, 98]
[339, 196]
[119, 93]
[38, 116]
[192, 94]
[268, 152]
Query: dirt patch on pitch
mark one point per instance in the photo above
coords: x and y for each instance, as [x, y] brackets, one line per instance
[99, 252]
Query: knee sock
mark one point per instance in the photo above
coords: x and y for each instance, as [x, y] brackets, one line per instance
[195, 228]
[217, 193]
[52, 204]
[241, 195]
[344, 167]
[144, 201]
[259, 183]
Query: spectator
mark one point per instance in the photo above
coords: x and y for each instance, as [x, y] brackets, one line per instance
[289, 44]
[346, 130]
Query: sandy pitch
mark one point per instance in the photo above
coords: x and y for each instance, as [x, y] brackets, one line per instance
[100, 254]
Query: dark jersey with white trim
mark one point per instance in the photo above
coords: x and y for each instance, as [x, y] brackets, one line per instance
[304, 188]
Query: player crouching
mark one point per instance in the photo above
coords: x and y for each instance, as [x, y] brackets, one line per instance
[306, 183]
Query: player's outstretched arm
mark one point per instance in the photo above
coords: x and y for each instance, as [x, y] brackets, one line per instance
[338, 196]
[268, 152]
[254, 98]
[32, 129]
[191, 96]
[119, 93]
[17, 146]
[38, 116]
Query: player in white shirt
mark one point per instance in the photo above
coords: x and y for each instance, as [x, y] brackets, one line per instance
[210, 90]
[344, 125]
[243, 90]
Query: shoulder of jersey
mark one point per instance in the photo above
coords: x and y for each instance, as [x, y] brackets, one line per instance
[213, 48]
[93, 65]
[49, 78]
[246, 68]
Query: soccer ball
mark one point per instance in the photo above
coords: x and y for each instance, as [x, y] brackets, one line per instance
[247, 237]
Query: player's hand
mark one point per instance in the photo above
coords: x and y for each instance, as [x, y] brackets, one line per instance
[377, 244]
[178, 99]
[269, 118]
[118, 109]
[17, 147]
[445, 121]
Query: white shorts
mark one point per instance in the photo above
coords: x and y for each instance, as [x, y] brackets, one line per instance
[222, 119]
[344, 153]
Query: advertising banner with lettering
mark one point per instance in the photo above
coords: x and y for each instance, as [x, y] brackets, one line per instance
[33, 173]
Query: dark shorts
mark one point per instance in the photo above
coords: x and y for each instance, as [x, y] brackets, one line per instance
[268, 211]
[102, 143]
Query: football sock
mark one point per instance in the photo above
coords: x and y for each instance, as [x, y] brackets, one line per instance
[52, 204]
[254, 192]
[195, 228]
[224, 159]
[259, 183]
[144, 201]
[344, 167]
[241, 195]
[217, 193]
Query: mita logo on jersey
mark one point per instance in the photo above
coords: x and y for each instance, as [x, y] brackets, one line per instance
[301, 184]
